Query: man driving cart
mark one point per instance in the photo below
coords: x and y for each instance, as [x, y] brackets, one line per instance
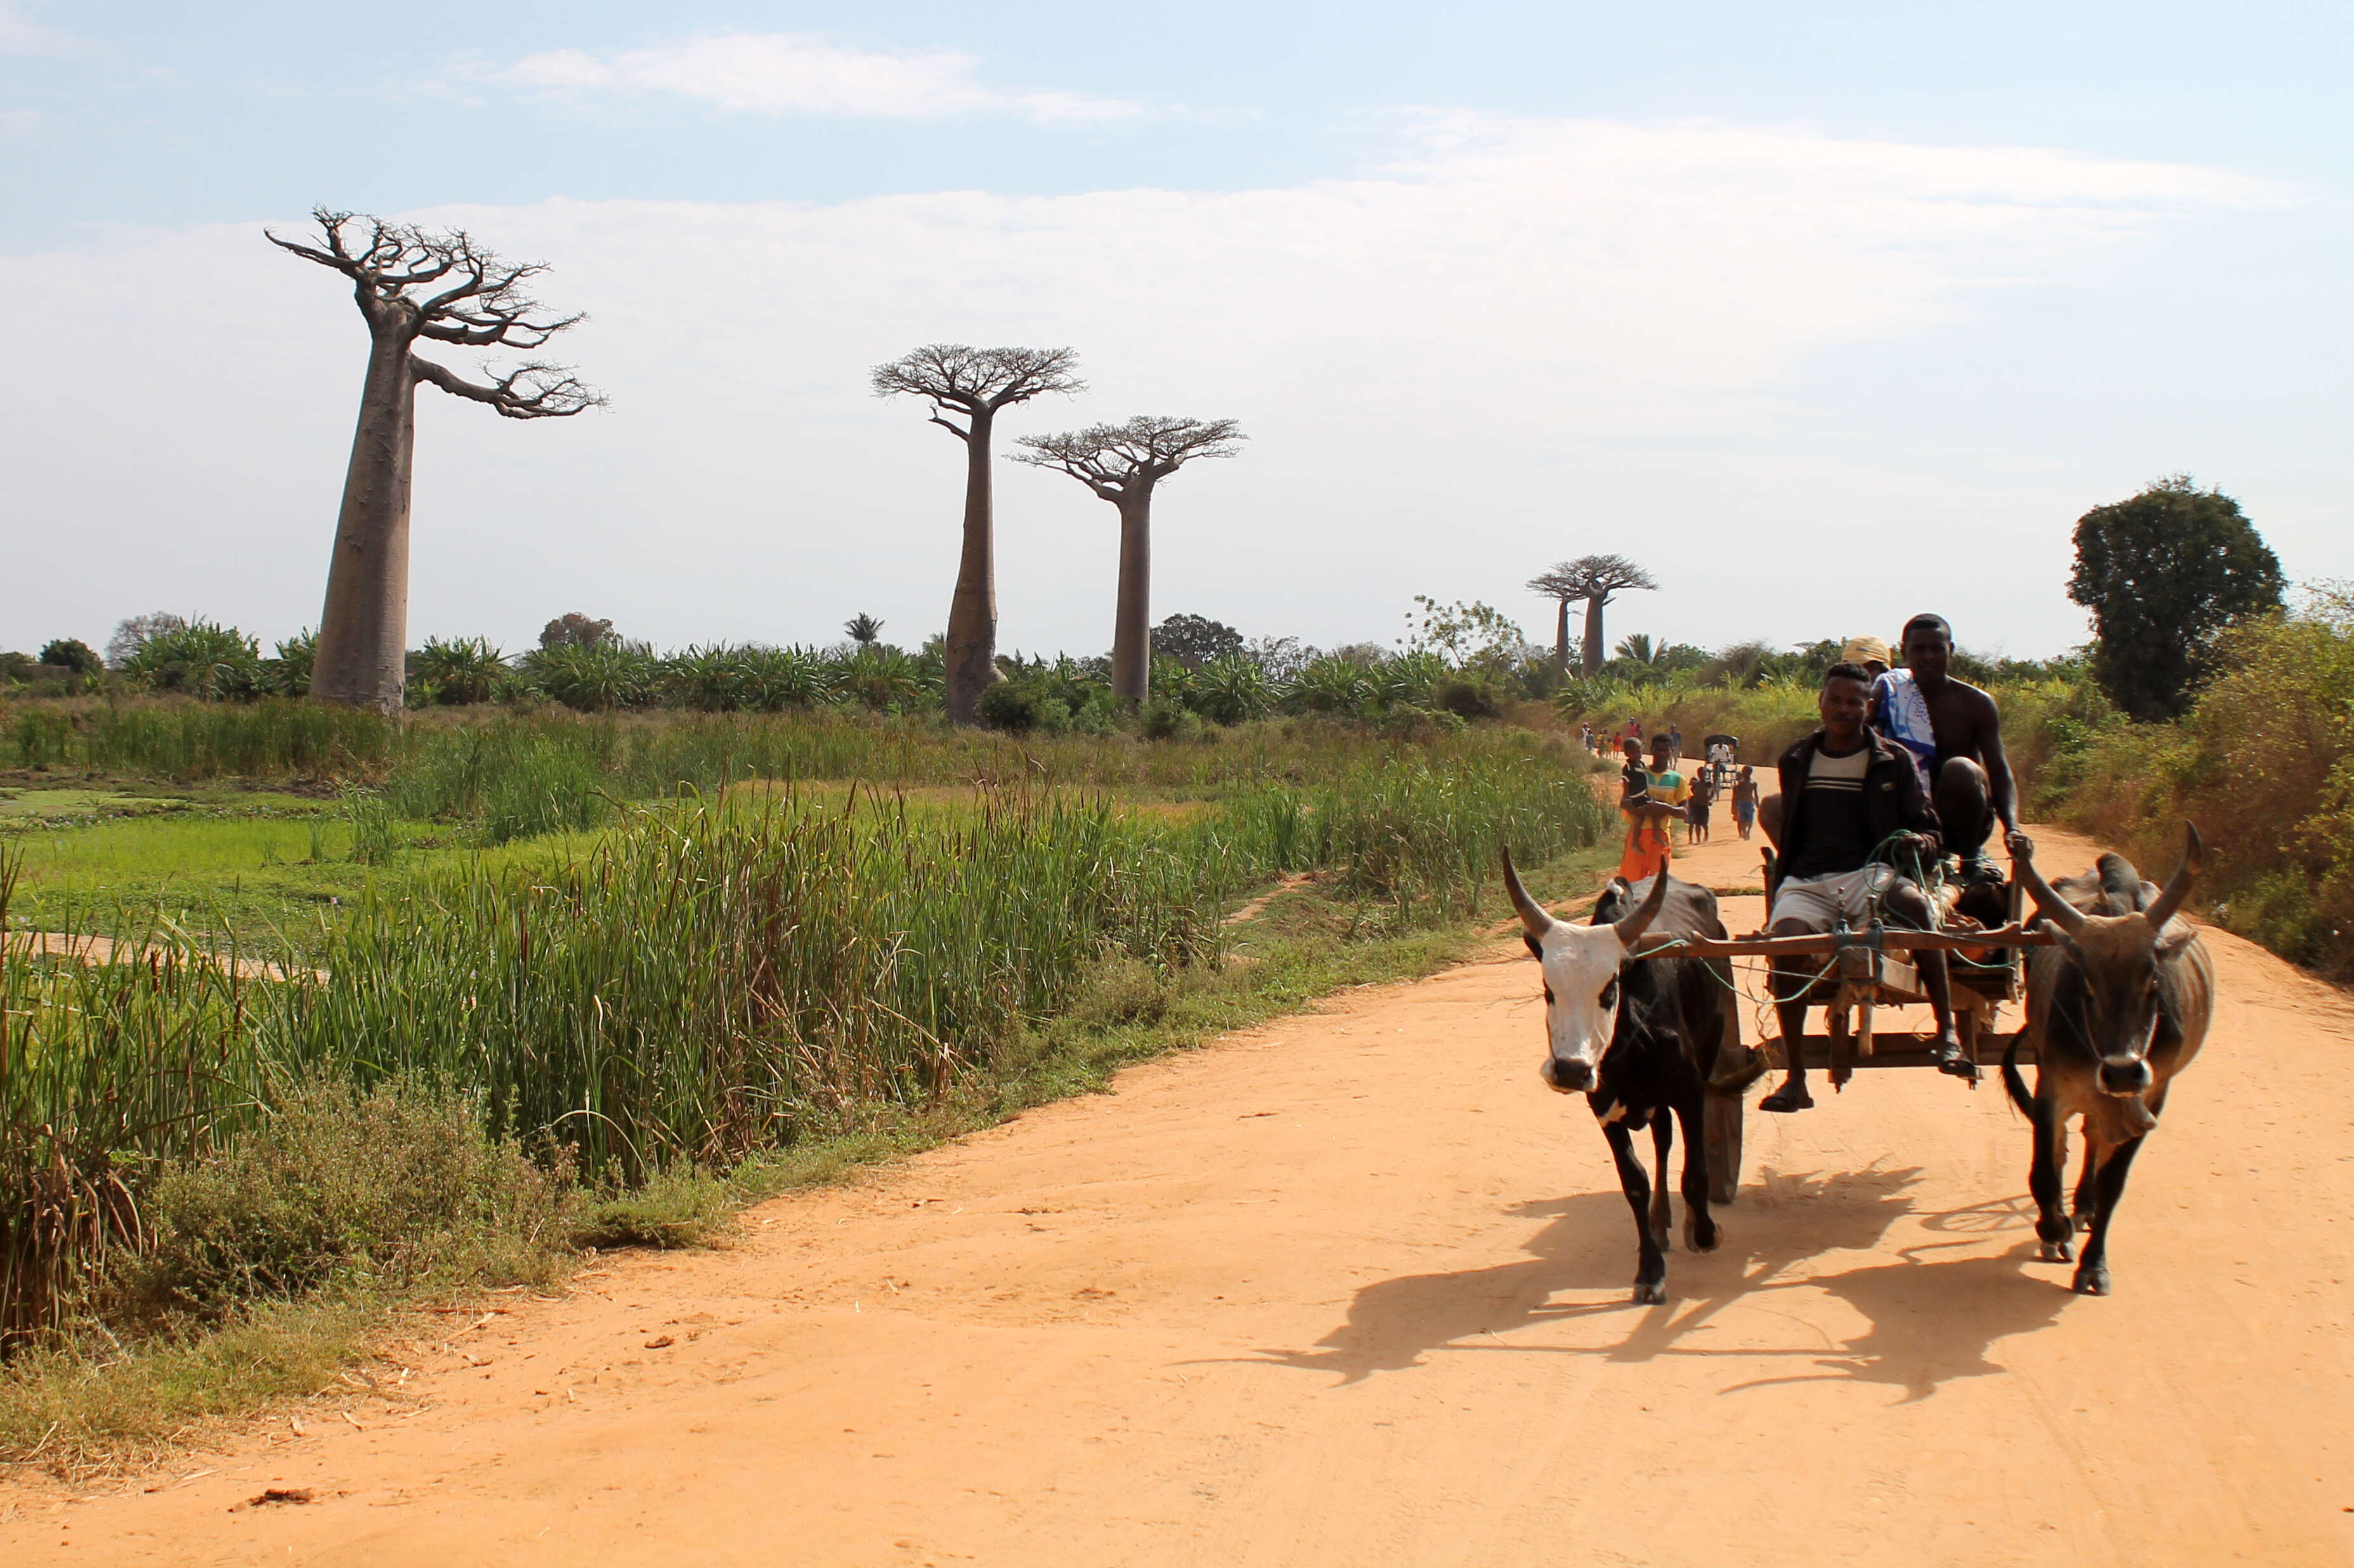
[1853, 814]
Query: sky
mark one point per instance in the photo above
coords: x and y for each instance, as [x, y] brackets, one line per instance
[1826, 313]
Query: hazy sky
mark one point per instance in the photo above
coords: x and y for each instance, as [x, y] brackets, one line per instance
[1829, 317]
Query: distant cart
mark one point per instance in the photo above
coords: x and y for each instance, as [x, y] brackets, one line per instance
[1721, 753]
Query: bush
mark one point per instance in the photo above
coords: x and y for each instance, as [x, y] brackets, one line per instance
[1466, 695]
[457, 673]
[72, 653]
[1165, 720]
[1014, 706]
[201, 659]
[340, 1185]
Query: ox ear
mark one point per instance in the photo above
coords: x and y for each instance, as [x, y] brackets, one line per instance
[2178, 886]
[1630, 927]
[1534, 922]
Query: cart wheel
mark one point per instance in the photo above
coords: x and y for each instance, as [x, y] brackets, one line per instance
[1720, 1126]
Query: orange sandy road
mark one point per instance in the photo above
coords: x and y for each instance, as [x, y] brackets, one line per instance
[1352, 1289]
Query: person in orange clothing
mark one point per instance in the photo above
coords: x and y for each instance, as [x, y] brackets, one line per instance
[1649, 798]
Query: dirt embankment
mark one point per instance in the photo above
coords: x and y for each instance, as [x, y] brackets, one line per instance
[1353, 1290]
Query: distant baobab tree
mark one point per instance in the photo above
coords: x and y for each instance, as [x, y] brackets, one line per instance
[1123, 464]
[1593, 580]
[974, 384]
[413, 283]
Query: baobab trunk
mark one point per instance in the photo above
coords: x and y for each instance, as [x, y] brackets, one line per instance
[1131, 635]
[1593, 634]
[364, 627]
[972, 612]
[1561, 638]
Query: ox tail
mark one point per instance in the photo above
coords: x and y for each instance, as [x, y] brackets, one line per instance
[2013, 1084]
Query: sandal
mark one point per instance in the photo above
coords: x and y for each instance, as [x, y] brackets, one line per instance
[1787, 1099]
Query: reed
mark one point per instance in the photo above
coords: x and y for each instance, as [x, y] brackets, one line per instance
[708, 979]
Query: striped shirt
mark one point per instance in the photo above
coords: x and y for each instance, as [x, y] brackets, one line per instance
[1837, 835]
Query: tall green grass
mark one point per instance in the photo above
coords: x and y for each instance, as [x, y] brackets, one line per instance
[275, 737]
[704, 980]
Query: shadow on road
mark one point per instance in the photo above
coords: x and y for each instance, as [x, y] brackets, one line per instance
[1930, 1319]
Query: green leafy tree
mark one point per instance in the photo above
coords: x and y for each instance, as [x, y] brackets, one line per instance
[72, 653]
[2163, 574]
[1466, 634]
[1194, 641]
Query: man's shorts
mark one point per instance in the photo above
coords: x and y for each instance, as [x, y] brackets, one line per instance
[1818, 901]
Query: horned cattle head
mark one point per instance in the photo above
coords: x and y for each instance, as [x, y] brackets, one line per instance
[1581, 980]
[2119, 957]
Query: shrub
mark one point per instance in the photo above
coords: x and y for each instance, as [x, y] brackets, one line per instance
[1466, 695]
[72, 653]
[201, 659]
[457, 673]
[391, 1184]
[1013, 705]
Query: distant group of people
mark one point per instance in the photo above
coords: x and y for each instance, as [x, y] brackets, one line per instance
[1903, 782]
[1654, 794]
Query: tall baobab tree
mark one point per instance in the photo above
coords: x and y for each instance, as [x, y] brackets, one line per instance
[413, 283]
[1593, 580]
[974, 384]
[1124, 464]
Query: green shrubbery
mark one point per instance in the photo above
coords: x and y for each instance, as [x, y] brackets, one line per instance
[2264, 763]
[338, 1185]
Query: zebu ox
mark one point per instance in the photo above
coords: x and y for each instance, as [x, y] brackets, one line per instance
[1639, 1036]
[2114, 1011]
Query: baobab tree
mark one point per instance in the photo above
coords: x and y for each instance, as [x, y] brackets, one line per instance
[1595, 580]
[413, 283]
[975, 384]
[1124, 464]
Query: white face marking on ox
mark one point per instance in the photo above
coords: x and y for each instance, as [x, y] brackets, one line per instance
[1581, 976]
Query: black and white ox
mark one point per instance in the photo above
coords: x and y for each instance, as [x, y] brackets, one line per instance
[2115, 1010]
[1638, 1037]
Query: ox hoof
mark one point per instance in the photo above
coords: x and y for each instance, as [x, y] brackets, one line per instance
[1699, 1238]
[2093, 1281]
[2058, 1252]
[2083, 1220]
[1650, 1293]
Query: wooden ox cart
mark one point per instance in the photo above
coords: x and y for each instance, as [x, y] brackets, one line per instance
[1865, 969]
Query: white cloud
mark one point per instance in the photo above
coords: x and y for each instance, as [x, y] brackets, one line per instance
[20, 34]
[1529, 340]
[796, 73]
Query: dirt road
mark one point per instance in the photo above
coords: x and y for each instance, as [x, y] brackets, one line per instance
[1353, 1290]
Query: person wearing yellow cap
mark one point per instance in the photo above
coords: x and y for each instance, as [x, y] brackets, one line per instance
[1869, 651]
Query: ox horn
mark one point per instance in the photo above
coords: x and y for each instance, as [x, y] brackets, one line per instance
[2056, 909]
[2178, 886]
[1534, 918]
[1630, 928]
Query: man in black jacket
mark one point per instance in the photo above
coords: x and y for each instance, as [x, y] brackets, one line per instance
[1852, 807]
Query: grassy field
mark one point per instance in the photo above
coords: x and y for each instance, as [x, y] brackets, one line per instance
[656, 968]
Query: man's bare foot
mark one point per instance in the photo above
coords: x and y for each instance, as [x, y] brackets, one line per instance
[1948, 1053]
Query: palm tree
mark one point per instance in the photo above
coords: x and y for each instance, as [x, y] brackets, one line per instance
[863, 629]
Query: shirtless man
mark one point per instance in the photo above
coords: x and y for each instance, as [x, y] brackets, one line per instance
[1960, 758]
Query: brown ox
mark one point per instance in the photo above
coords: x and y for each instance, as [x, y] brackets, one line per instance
[2115, 1010]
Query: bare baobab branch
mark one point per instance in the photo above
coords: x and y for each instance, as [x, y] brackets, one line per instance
[1123, 464]
[958, 380]
[438, 286]
[529, 391]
